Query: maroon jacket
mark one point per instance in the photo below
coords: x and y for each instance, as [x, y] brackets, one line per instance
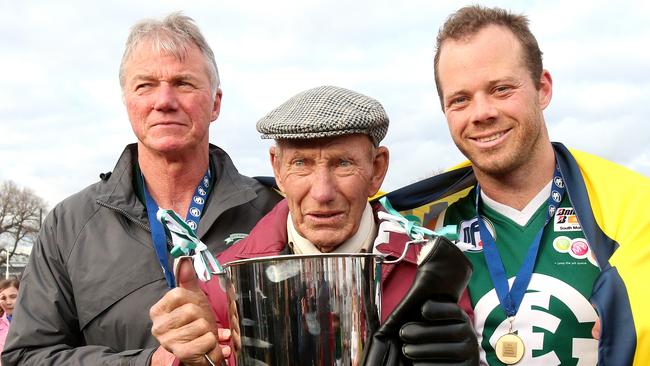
[269, 237]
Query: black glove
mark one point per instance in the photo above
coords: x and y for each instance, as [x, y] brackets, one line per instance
[442, 276]
[444, 337]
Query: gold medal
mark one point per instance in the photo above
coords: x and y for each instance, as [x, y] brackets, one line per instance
[509, 349]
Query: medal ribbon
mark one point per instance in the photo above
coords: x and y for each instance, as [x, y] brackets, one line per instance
[411, 228]
[510, 298]
[158, 232]
[186, 243]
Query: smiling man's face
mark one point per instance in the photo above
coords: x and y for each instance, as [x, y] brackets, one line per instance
[493, 109]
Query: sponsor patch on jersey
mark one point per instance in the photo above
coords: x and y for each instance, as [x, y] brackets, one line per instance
[562, 244]
[470, 234]
[565, 219]
[233, 238]
[577, 248]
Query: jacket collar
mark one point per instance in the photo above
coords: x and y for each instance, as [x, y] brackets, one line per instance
[231, 189]
[117, 190]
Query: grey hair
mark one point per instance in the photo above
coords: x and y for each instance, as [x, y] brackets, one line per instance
[171, 36]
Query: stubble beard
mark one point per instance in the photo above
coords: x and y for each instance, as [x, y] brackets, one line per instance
[502, 164]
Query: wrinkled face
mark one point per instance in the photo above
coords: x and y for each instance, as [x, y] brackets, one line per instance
[169, 101]
[8, 299]
[327, 183]
[493, 109]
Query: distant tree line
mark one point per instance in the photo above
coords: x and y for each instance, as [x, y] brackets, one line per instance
[21, 213]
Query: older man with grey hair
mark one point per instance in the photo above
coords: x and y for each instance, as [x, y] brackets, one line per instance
[328, 162]
[100, 261]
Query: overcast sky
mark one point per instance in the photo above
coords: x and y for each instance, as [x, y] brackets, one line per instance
[62, 121]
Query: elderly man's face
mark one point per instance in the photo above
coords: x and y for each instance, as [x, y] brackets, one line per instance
[327, 183]
[169, 101]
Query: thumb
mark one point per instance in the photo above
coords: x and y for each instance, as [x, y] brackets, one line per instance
[185, 275]
[595, 331]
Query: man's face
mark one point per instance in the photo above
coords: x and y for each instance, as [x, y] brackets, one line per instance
[327, 183]
[493, 109]
[169, 101]
[8, 299]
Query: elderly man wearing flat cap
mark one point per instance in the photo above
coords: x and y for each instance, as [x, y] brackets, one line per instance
[328, 162]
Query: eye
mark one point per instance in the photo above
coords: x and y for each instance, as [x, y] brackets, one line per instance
[298, 162]
[142, 86]
[185, 84]
[344, 163]
[502, 89]
[457, 102]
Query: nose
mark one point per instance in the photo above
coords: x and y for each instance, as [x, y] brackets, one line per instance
[166, 99]
[323, 185]
[483, 109]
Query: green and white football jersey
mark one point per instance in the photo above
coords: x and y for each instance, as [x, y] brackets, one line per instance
[555, 317]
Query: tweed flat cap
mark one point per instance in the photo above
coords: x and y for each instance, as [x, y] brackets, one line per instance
[325, 111]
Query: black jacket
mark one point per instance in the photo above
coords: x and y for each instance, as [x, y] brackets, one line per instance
[93, 273]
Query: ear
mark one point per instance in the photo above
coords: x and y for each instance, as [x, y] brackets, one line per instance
[216, 106]
[380, 167]
[274, 155]
[545, 92]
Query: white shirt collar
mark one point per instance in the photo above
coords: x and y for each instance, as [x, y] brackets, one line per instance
[361, 241]
[520, 217]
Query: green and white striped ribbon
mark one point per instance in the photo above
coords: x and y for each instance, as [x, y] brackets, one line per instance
[187, 244]
[412, 227]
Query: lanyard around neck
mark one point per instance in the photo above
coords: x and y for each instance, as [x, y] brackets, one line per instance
[192, 219]
[510, 298]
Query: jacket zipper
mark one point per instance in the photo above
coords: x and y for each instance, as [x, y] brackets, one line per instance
[132, 219]
[139, 223]
[125, 214]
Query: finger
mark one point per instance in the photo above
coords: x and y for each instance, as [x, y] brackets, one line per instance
[226, 351]
[185, 323]
[425, 333]
[439, 352]
[186, 275]
[224, 334]
[218, 355]
[442, 311]
[179, 307]
[595, 331]
[193, 353]
[172, 300]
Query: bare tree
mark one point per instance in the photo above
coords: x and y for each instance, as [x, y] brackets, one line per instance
[21, 212]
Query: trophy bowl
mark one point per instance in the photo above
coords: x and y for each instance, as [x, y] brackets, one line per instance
[303, 309]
